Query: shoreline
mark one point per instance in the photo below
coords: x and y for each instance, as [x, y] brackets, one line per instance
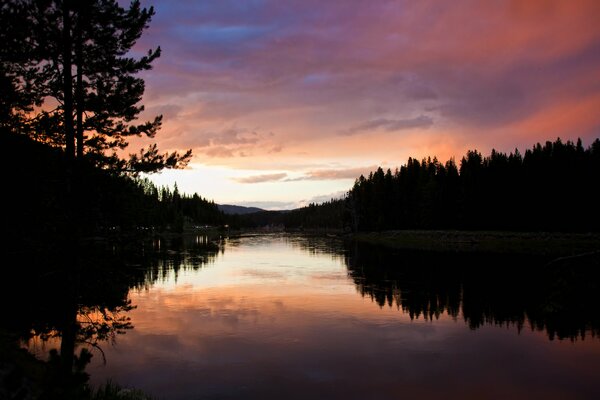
[531, 243]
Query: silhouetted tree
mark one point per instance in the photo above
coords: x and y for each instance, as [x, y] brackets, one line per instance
[20, 72]
[80, 56]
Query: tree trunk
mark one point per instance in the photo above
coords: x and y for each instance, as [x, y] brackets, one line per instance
[79, 89]
[68, 339]
[68, 83]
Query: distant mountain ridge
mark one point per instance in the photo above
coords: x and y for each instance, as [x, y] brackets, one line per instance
[239, 210]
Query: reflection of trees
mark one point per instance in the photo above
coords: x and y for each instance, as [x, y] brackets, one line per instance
[317, 244]
[558, 298]
[404, 281]
[158, 258]
[79, 300]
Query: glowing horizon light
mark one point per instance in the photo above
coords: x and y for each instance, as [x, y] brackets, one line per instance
[220, 185]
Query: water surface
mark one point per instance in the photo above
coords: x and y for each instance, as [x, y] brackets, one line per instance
[279, 316]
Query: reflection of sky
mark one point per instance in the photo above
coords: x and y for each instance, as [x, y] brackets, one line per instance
[271, 320]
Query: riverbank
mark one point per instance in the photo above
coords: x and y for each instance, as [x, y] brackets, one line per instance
[531, 243]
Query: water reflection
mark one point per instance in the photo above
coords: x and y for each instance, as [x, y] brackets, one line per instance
[559, 297]
[162, 257]
[278, 316]
[65, 303]
[67, 306]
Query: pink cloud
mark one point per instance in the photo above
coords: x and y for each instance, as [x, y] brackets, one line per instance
[220, 152]
[483, 72]
[261, 178]
[334, 173]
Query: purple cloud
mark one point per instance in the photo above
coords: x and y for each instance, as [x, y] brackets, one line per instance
[304, 67]
[390, 125]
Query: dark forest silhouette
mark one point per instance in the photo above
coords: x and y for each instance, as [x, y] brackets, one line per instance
[552, 187]
[39, 215]
[325, 216]
[71, 95]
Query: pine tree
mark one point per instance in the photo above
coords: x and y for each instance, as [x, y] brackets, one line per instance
[81, 58]
[19, 70]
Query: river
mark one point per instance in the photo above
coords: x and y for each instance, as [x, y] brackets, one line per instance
[280, 316]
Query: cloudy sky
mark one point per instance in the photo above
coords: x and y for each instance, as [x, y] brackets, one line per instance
[288, 101]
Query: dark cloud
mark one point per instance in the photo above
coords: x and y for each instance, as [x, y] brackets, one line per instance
[235, 136]
[224, 143]
[416, 91]
[168, 111]
[390, 125]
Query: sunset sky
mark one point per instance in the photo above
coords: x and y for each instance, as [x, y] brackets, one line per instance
[287, 102]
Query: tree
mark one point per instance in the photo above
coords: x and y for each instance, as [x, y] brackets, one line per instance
[19, 72]
[81, 58]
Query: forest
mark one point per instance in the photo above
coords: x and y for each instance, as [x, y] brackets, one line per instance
[552, 187]
[106, 203]
[549, 188]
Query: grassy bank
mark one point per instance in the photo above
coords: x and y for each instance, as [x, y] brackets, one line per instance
[533, 243]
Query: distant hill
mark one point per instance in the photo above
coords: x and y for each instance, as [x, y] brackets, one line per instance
[240, 210]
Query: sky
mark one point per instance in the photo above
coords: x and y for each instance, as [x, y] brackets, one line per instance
[286, 102]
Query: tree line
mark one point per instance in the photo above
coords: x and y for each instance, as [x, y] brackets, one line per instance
[37, 210]
[325, 216]
[551, 187]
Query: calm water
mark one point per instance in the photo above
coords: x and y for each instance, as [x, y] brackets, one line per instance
[280, 316]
